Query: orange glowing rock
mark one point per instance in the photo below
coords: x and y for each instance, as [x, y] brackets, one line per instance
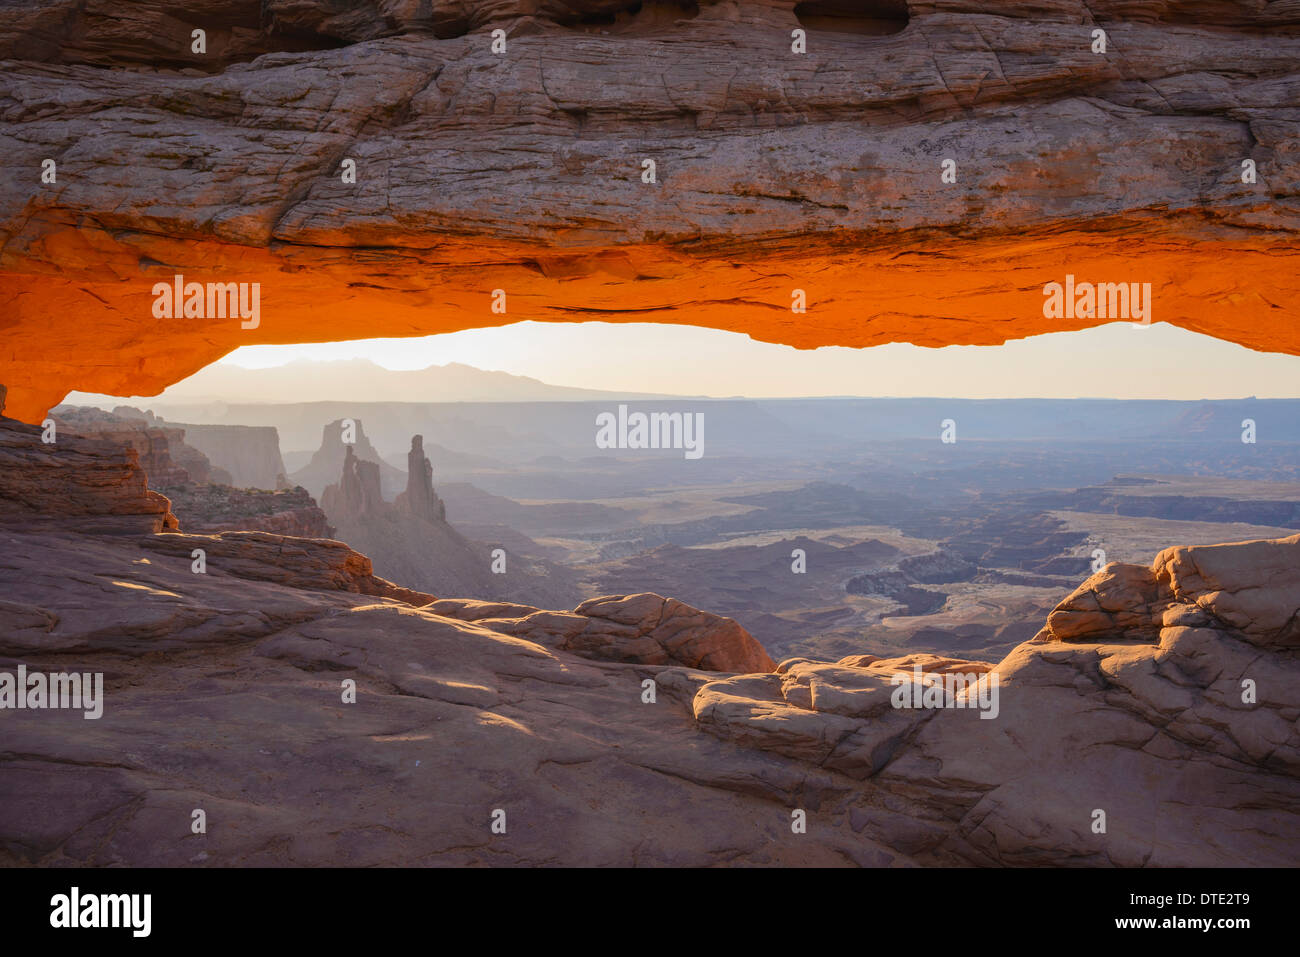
[74, 329]
[919, 183]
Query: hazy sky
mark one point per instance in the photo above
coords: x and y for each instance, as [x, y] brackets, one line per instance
[1115, 360]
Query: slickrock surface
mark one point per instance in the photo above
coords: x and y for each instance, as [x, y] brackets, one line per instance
[295, 562]
[646, 628]
[1131, 701]
[1252, 589]
[522, 171]
[224, 691]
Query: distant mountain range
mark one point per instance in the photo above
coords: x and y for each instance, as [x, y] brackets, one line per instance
[465, 437]
[360, 380]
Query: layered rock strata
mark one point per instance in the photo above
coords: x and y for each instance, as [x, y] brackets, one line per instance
[525, 171]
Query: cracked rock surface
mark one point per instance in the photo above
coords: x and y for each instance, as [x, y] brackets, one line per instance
[523, 171]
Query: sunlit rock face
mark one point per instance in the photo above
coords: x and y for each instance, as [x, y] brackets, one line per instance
[525, 171]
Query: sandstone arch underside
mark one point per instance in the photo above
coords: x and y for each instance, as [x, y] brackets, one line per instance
[522, 171]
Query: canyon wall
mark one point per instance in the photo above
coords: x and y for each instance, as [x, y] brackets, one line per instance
[492, 187]
[87, 484]
[249, 454]
[201, 495]
[221, 508]
[163, 452]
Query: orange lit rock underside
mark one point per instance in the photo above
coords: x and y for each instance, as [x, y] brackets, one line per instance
[100, 336]
[775, 172]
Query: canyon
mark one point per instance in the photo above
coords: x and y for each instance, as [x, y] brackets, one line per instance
[222, 693]
[901, 548]
[304, 635]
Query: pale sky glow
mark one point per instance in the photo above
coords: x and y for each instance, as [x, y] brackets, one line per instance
[1112, 361]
